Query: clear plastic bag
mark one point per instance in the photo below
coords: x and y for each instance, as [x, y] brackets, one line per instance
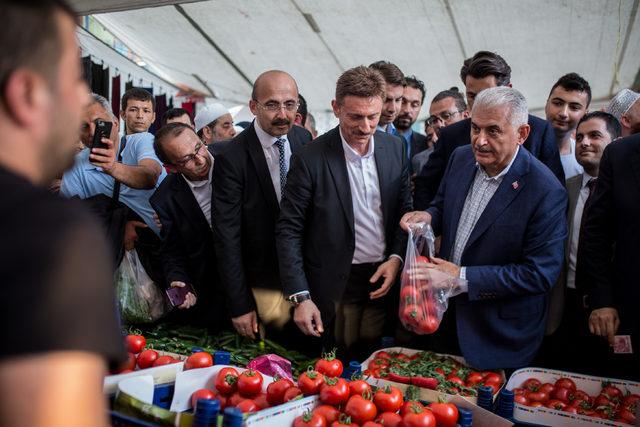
[424, 292]
[139, 298]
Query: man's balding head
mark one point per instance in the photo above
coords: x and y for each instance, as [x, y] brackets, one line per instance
[274, 102]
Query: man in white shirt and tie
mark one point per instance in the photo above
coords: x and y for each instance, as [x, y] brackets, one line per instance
[249, 176]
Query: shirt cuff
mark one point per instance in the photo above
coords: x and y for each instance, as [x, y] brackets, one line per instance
[397, 256]
[298, 293]
[463, 286]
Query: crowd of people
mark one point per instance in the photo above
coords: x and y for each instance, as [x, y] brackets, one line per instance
[275, 228]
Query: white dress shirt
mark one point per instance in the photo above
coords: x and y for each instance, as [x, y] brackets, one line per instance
[367, 204]
[202, 191]
[575, 230]
[570, 165]
[272, 155]
[480, 194]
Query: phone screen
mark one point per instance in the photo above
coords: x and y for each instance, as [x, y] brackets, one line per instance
[103, 130]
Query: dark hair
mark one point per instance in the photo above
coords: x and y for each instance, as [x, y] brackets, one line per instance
[361, 81]
[138, 94]
[174, 113]
[451, 93]
[414, 82]
[484, 64]
[613, 125]
[30, 37]
[390, 72]
[573, 82]
[167, 131]
[302, 108]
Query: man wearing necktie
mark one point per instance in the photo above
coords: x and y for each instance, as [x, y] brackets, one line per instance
[248, 179]
[567, 329]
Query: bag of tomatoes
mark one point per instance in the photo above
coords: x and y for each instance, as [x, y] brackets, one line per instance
[424, 291]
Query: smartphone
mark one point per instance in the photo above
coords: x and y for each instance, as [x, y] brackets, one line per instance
[177, 295]
[103, 130]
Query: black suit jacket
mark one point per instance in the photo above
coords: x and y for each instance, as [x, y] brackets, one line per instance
[541, 143]
[244, 210]
[609, 248]
[315, 232]
[187, 243]
[418, 143]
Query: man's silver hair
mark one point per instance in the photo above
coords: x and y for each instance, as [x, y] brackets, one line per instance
[501, 96]
[99, 99]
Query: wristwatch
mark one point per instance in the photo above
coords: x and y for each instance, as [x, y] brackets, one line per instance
[296, 299]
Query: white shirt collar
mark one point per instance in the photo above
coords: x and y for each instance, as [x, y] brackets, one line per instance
[265, 139]
[503, 172]
[351, 154]
[586, 178]
[198, 184]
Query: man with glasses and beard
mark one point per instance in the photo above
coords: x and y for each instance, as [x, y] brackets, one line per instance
[60, 330]
[183, 204]
[412, 99]
[249, 177]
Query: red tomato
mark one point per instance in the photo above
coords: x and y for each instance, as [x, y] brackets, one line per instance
[389, 419]
[474, 378]
[422, 259]
[410, 406]
[379, 364]
[521, 399]
[403, 357]
[611, 391]
[419, 418]
[428, 325]
[630, 400]
[536, 404]
[249, 383]
[234, 399]
[382, 355]
[628, 416]
[261, 400]
[492, 377]
[372, 424]
[135, 343]
[197, 360]
[247, 406]
[532, 384]
[455, 379]
[310, 419]
[519, 390]
[446, 414]
[570, 409]
[334, 391]
[581, 394]
[227, 381]
[330, 413]
[343, 422]
[556, 404]
[329, 365]
[566, 383]
[146, 358]
[359, 387]
[310, 382]
[411, 315]
[547, 388]
[409, 295]
[388, 399]
[601, 400]
[129, 365]
[203, 393]
[292, 393]
[537, 396]
[275, 390]
[494, 387]
[164, 360]
[563, 394]
[360, 409]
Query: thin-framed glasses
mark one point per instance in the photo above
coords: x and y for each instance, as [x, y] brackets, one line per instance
[443, 117]
[190, 157]
[277, 106]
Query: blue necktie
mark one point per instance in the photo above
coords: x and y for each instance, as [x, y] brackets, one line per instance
[283, 166]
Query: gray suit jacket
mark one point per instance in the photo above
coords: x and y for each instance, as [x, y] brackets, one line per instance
[556, 300]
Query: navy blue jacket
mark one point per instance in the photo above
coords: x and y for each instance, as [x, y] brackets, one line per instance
[512, 258]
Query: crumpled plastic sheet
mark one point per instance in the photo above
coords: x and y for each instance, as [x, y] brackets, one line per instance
[272, 365]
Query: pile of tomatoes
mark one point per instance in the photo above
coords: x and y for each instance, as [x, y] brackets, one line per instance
[141, 358]
[418, 305]
[563, 395]
[431, 370]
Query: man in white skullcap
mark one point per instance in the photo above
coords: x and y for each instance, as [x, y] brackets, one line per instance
[214, 123]
[625, 106]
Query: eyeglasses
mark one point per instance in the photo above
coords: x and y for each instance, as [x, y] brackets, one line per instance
[443, 117]
[276, 106]
[190, 157]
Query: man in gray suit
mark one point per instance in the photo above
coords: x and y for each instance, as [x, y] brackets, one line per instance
[567, 327]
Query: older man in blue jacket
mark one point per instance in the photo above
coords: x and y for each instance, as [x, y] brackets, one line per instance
[501, 214]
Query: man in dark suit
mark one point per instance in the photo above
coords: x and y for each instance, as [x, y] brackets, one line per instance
[568, 336]
[412, 99]
[183, 204]
[609, 256]
[249, 176]
[482, 71]
[501, 214]
[338, 239]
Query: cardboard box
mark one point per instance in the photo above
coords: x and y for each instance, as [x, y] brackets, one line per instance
[551, 417]
[425, 393]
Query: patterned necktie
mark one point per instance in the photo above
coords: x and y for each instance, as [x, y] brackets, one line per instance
[283, 166]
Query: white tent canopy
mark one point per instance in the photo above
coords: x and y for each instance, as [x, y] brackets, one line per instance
[219, 47]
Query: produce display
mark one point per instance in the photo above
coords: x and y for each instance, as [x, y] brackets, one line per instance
[180, 339]
[611, 403]
[433, 371]
[140, 357]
